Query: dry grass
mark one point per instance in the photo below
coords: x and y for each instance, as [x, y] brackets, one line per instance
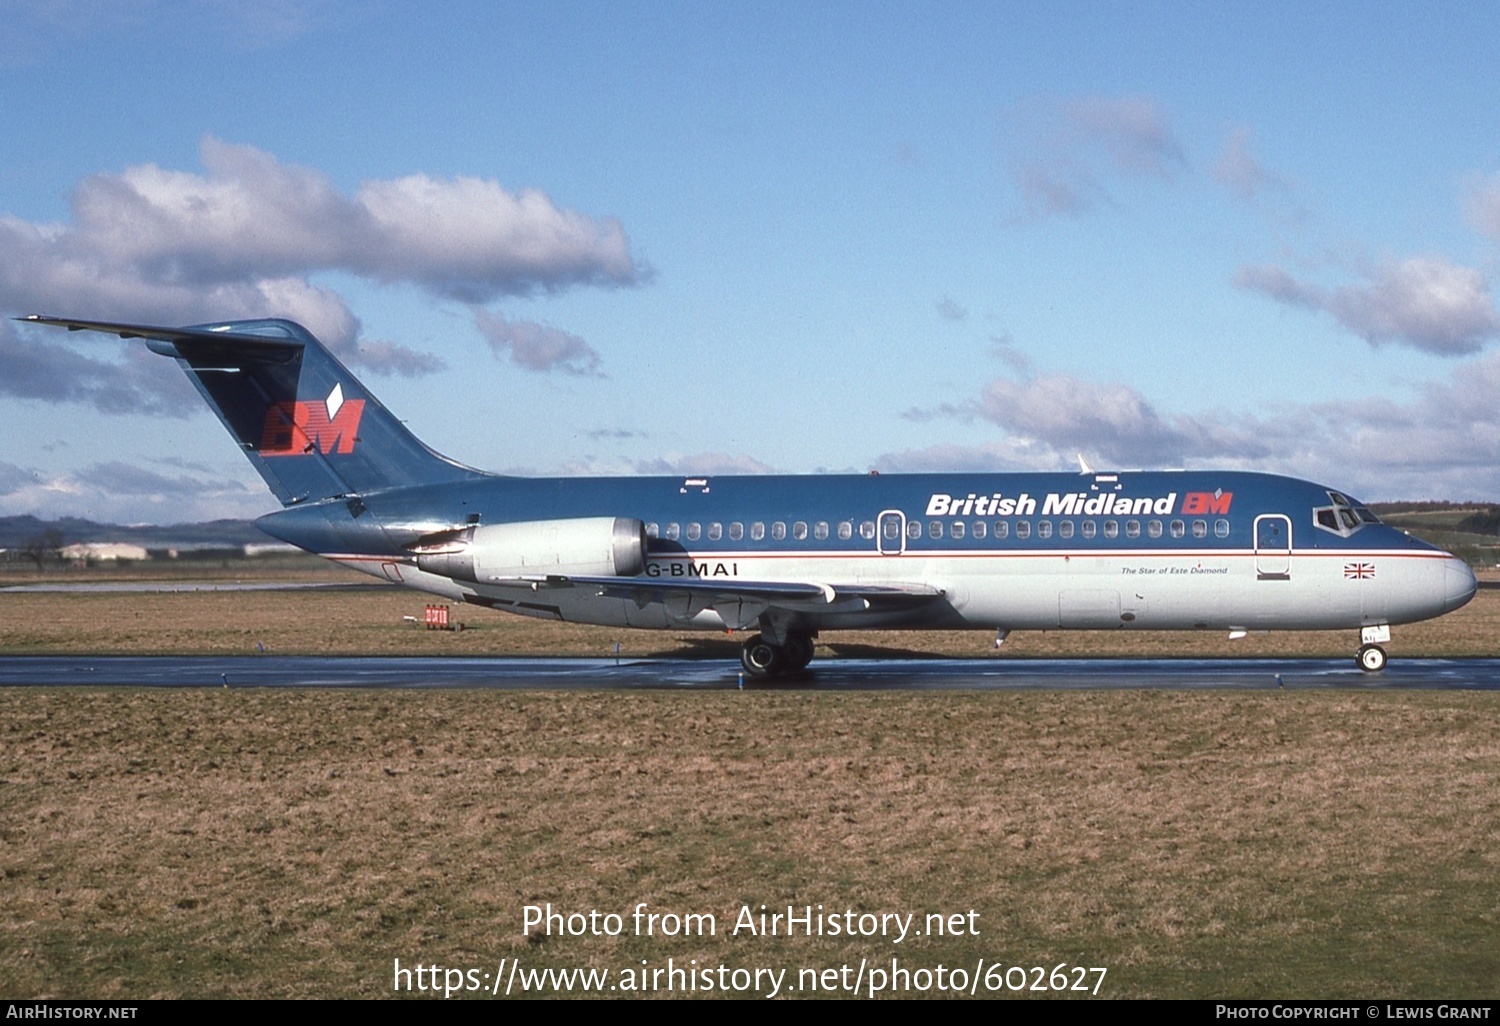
[285, 843]
[370, 622]
[275, 843]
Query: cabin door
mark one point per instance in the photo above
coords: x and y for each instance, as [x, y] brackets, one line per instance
[1273, 547]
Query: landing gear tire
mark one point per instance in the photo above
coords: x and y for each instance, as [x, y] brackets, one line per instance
[760, 658]
[799, 652]
[1371, 658]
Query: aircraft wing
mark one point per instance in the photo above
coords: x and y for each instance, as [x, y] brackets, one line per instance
[740, 603]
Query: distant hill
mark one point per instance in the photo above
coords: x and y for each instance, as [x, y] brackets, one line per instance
[15, 532]
[1426, 506]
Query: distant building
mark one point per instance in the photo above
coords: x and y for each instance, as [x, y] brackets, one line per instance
[100, 551]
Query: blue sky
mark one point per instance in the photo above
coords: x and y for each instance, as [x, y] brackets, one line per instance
[710, 238]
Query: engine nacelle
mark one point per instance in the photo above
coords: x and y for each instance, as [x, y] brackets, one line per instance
[586, 547]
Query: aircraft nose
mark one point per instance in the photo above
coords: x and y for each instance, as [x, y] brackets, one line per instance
[1460, 584]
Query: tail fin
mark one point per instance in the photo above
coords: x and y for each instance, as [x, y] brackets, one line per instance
[307, 424]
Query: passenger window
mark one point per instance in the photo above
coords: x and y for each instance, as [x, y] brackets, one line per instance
[693, 531]
[958, 529]
[935, 529]
[1111, 529]
[715, 532]
[1023, 528]
[1179, 529]
[867, 530]
[820, 530]
[1044, 529]
[1065, 529]
[1153, 528]
[1221, 528]
[892, 529]
[979, 527]
[1132, 528]
[757, 531]
[651, 531]
[736, 531]
[1090, 528]
[673, 531]
[846, 530]
[1200, 528]
[913, 529]
[799, 530]
[778, 530]
[1001, 528]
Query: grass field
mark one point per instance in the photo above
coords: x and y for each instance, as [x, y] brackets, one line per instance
[371, 621]
[249, 843]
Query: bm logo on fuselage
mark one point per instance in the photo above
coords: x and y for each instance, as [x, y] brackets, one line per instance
[298, 428]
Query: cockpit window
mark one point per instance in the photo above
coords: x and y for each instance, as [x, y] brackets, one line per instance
[1343, 517]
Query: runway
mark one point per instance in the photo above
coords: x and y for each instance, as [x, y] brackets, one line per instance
[717, 675]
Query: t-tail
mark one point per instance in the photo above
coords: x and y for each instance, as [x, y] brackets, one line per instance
[306, 423]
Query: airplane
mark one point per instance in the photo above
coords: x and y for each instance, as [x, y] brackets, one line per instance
[785, 557]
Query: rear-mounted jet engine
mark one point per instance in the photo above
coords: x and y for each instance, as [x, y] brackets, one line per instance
[588, 547]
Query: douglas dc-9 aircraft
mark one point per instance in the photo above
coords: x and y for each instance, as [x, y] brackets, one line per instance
[786, 557]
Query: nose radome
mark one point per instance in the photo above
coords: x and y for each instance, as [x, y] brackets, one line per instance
[1460, 584]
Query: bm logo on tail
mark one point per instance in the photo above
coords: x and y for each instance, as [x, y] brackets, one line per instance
[297, 428]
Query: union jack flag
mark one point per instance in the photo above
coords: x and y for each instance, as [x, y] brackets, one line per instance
[1358, 571]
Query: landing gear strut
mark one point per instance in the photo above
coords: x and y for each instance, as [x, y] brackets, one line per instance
[763, 658]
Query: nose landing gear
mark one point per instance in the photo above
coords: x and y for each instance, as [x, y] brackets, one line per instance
[1371, 657]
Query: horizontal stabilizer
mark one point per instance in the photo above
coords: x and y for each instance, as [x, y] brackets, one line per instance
[201, 342]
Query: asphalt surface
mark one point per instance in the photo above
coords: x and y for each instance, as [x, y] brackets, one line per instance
[710, 675]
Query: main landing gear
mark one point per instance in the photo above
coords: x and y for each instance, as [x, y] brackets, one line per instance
[762, 657]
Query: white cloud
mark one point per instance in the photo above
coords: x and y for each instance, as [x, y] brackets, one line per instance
[470, 239]
[1068, 152]
[135, 382]
[535, 346]
[241, 238]
[1427, 303]
[1133, 130]
[251, 217]
[1008, 454]
[697, 464]
[117, 492]
[1240, 171]
[1443, 444]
